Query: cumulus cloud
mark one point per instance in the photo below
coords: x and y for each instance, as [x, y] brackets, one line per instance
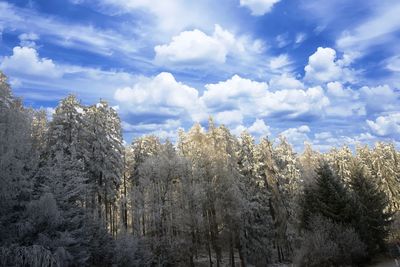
[297, 136]
[258, 129]
[336, 89]
[229, 117]
[25, 60]
[162, 93]
[251, 97]
[197, 47]
[259, 7]
[385, 125]
[285, 81]
[28, 39]
[232, 91]
[379, 98]
[295, 103]
[323, 66]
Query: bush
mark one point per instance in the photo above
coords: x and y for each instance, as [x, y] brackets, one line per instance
[330, 244]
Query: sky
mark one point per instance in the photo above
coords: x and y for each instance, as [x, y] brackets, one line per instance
[325, 72]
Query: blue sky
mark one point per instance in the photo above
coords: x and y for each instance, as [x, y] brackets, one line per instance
[326, 72]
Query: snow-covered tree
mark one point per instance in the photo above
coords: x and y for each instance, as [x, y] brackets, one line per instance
[103, 159]
[383, 163]
[341, 160]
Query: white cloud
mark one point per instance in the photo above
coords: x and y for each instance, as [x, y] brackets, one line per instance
[336, 89]
[282, 40]
[28, 39]
[25, 60]
[52, 80]
[167, 125]
[393, 64]
[55, 31]
[300, 37]
[323, 135]
[197, 47]
[294, 103]
[229, 117]
[259, 128]
[259, 7]
[161, 94]
[379, 98]
[297, 136]
[285, 81]
[254, 99]
[280, 62]
[236, 89]
[386, 125]
[322, 66]
[172, 16]
[377, 29]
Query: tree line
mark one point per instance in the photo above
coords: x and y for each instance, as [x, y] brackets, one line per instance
[73, 194]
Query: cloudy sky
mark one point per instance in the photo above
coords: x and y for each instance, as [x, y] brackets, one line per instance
[326, 72]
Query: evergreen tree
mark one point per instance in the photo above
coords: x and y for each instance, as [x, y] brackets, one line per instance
[103, 152]
[255, 237]
[373, 218]
[326, 197]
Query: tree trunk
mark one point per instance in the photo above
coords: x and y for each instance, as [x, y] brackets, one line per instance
[243, 262]
[231, 251]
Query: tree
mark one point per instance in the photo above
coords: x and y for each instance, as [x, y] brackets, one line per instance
[268, 173]
[373, 219]
[327, 243]
[103, 160]
[383, 163]
[340, 160]
[17, 164]
[254, 240]
[326, 197]
[140, 149]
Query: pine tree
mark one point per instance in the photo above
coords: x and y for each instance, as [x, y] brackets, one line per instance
[255, 235]
[373, 219]
[326, 197]
[17, 164]
[341, 159]
[103, 159]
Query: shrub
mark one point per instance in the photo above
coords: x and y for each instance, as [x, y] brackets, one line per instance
[330, 244]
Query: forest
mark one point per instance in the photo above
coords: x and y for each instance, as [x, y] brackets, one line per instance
[72, 193]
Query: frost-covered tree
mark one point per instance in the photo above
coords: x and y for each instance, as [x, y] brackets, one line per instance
[139, 151]
[383, 163]
[341, 160]
[17, 164]
[254, 241]
[309, 162]
[103, 159]
[268, 172]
